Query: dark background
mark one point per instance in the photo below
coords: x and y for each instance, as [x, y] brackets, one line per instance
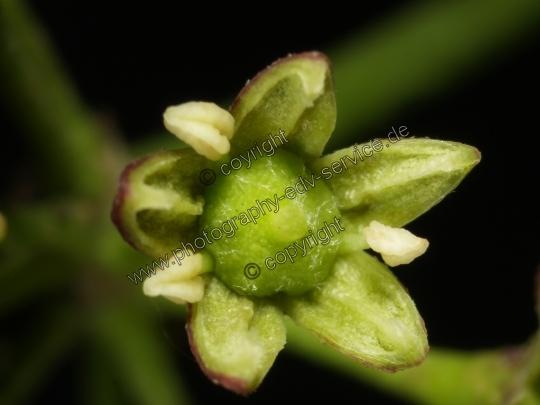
[473, 287]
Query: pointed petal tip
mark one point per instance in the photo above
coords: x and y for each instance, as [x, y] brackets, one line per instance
[363, 312]
[234, 339]
[233, 384]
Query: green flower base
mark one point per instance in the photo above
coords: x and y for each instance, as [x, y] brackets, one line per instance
[273, 226]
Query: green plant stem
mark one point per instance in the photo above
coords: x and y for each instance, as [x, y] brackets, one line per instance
[447, 377]
[419, 52]
[100, 383]
[408, 58]
[47, 106]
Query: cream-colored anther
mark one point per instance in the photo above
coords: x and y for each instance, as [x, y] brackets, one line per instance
[204, 126]
[179, 283]
[396, 245]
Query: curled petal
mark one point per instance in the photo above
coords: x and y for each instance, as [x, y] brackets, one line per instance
[159, 200]
[204, 126]
[295, 94]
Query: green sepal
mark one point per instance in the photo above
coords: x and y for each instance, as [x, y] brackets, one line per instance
[364, 312]
[234, 338]
[295, 94]
[394, 185]
[159, 201]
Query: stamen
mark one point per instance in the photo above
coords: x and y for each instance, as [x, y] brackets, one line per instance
[396, 245]
[204, 126]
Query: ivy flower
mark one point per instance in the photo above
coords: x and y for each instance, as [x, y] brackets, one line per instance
[250, 224]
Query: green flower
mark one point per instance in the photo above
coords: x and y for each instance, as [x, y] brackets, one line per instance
[251, 223]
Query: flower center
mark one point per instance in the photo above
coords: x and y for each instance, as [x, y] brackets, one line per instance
[279, 227]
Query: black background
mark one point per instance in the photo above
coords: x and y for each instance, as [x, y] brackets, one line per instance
[473, 287]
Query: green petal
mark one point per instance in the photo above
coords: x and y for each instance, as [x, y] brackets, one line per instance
[295, 94]
[394, 185]
[363, 311]
[159, 201]
[235, 339]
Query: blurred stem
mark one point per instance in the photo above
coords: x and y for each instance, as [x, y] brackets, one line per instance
[447, 377]
[47, 106]
[3, 227]
[100, 384]
[419, 52]
[45, 274]
[129, 339]
[42, 353]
